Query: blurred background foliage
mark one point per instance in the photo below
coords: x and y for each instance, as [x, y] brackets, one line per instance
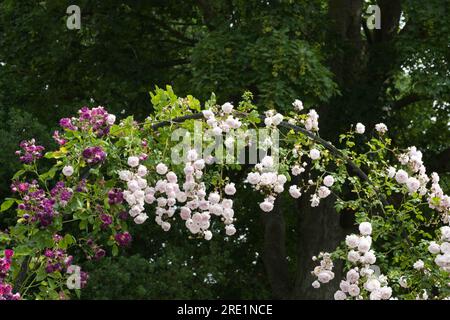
[319, 51]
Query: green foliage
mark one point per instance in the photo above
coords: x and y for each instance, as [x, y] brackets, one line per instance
[16, 125]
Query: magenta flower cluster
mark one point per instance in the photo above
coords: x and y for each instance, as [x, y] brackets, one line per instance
[98, 251]
[57, 260]
[115, 196]
[61, 194]
[106, 220]
[96, 119]
[36, 205]
[84, 276]
[123, 239]
[30, 151]
[94, 155]
[5, 288]
[81, 187]
[66, 123]
[5, 263]
[57, 137]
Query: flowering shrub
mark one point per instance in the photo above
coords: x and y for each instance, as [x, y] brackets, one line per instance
[108, 175]
[5, 288]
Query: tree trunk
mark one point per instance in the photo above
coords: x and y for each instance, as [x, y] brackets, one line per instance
[319, 230]
[274, 253]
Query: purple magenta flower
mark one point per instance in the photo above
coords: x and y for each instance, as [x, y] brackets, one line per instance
[115, 196]
[5, 263]
[99, 253]
[123, 239]
[106, 220]
[57, 237]
[123, 215]
[49, 268]
[36, 205]
[61, 194]
[57, 260]
[81, 186]
[59, 186]
[68, 261]
[66, 123]
[65, 195]
[49, 253]
[6, 289]
[30, 152]
[84, 113]
[58, 139]
[84, 276]
[9, 253]
[22, 187]
[95, 119]
[94, 155]
[6, 292]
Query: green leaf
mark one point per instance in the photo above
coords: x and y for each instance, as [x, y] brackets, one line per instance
[69, 239]
[49, 174]
[55, 155]
[83, 224]
[18, 174]
[41, 275]
[193, 103]
[22, 250]
[7, 204]
[115, 250]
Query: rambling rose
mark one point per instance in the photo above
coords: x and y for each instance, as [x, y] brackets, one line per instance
[294, 191]
[230, 230]
[354, 290]
[353, 256]
[266, 206]
[445, 233]
[418, 265]
[328, 181]
[365, 228]
[227, 107]
[352, 241]
[401, 176]
[434, 248]
[372, 285]
[323, 192]
[412, 184]
[360, 128]
[230, 189]
[314, 154]
[340, 295]
[325, 276]
[133, 161]
[208, 235]
[161, 168]
[364, 244]
[111, 119]
[381, 128]
[67, 171]
[298, 105]
[391, 172]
